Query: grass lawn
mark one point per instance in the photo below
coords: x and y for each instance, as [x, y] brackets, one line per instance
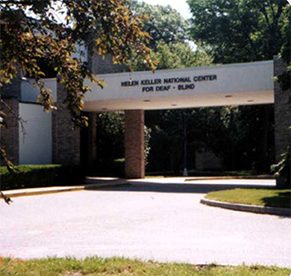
[261, 197]
[118, 266]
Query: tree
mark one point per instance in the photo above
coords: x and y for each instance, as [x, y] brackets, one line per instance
[173, 55]
[169, 38]
[242, 31]
[285, 51]
[238, 31]
[169, 41]
[163, 23]
[33, 30]
[50, 30]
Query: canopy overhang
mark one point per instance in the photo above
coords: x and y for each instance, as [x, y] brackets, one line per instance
[222, 85]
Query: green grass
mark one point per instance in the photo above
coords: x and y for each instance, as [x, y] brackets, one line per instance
[119, 266]
[261, 197]
[246, 173]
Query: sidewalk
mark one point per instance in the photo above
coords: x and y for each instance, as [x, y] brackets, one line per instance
[91, 183]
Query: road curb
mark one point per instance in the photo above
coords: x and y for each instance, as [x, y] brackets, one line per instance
[250, 177]
[53, 190]
[248, 208]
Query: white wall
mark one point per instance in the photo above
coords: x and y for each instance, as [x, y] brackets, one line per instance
[81, 52]
[29, 92]
[35, 144]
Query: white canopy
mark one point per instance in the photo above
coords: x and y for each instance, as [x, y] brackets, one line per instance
[231, 84]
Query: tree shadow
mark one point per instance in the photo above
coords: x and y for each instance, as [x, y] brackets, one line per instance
[281, 200]
[179, 187]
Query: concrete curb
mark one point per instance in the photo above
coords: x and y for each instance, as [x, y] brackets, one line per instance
[53, 190]
[248, 208]
[251, 177]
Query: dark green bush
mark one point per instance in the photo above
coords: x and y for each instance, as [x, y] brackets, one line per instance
[29, 176]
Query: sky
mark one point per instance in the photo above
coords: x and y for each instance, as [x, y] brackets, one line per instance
[180, 5]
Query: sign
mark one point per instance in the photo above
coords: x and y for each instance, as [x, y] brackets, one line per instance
[167, 84]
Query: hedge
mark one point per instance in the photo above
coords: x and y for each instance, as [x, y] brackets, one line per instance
[29, 176]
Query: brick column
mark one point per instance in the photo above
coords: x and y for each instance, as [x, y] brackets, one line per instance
[282, 112]
[9, 136]
[92, 132]
[66, 138]
[134, 144]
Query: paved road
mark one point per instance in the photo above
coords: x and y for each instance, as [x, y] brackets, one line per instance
[144, 220]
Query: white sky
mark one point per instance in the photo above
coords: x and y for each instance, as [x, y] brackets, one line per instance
[180, 5]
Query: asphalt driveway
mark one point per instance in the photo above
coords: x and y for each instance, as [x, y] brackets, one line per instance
[160, 220]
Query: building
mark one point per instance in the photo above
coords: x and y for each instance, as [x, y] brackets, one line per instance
[40, 137]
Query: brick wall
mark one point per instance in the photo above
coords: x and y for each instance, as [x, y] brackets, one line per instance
[66, 138]
[9, 136]
[134, 144]
[282, 112]
[104, 65]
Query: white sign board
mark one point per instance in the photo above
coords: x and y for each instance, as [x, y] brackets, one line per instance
[232, 84]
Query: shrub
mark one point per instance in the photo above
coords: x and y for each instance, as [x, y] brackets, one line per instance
[29, 176]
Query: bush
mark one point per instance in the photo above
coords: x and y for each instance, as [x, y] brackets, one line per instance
[30, 176]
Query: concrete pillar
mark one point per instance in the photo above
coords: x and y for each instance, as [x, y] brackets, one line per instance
[134, 144]
[282, 114]
[66, 138]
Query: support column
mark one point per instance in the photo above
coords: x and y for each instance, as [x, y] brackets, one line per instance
[91, 146]
[282, 112]
[134, 144]
[282, 115]
[66, 138]
[9, 136]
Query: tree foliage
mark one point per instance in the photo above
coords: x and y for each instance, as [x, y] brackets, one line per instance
[211, 129]
[170, 43]
[237, 31]
[163, 23]
[174, 55]
[283, 168]
[285, 78]
[50, 30]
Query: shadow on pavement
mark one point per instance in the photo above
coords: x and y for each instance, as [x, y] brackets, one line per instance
[186, 187]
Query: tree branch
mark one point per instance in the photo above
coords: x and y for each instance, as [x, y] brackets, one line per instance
[15, 2]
